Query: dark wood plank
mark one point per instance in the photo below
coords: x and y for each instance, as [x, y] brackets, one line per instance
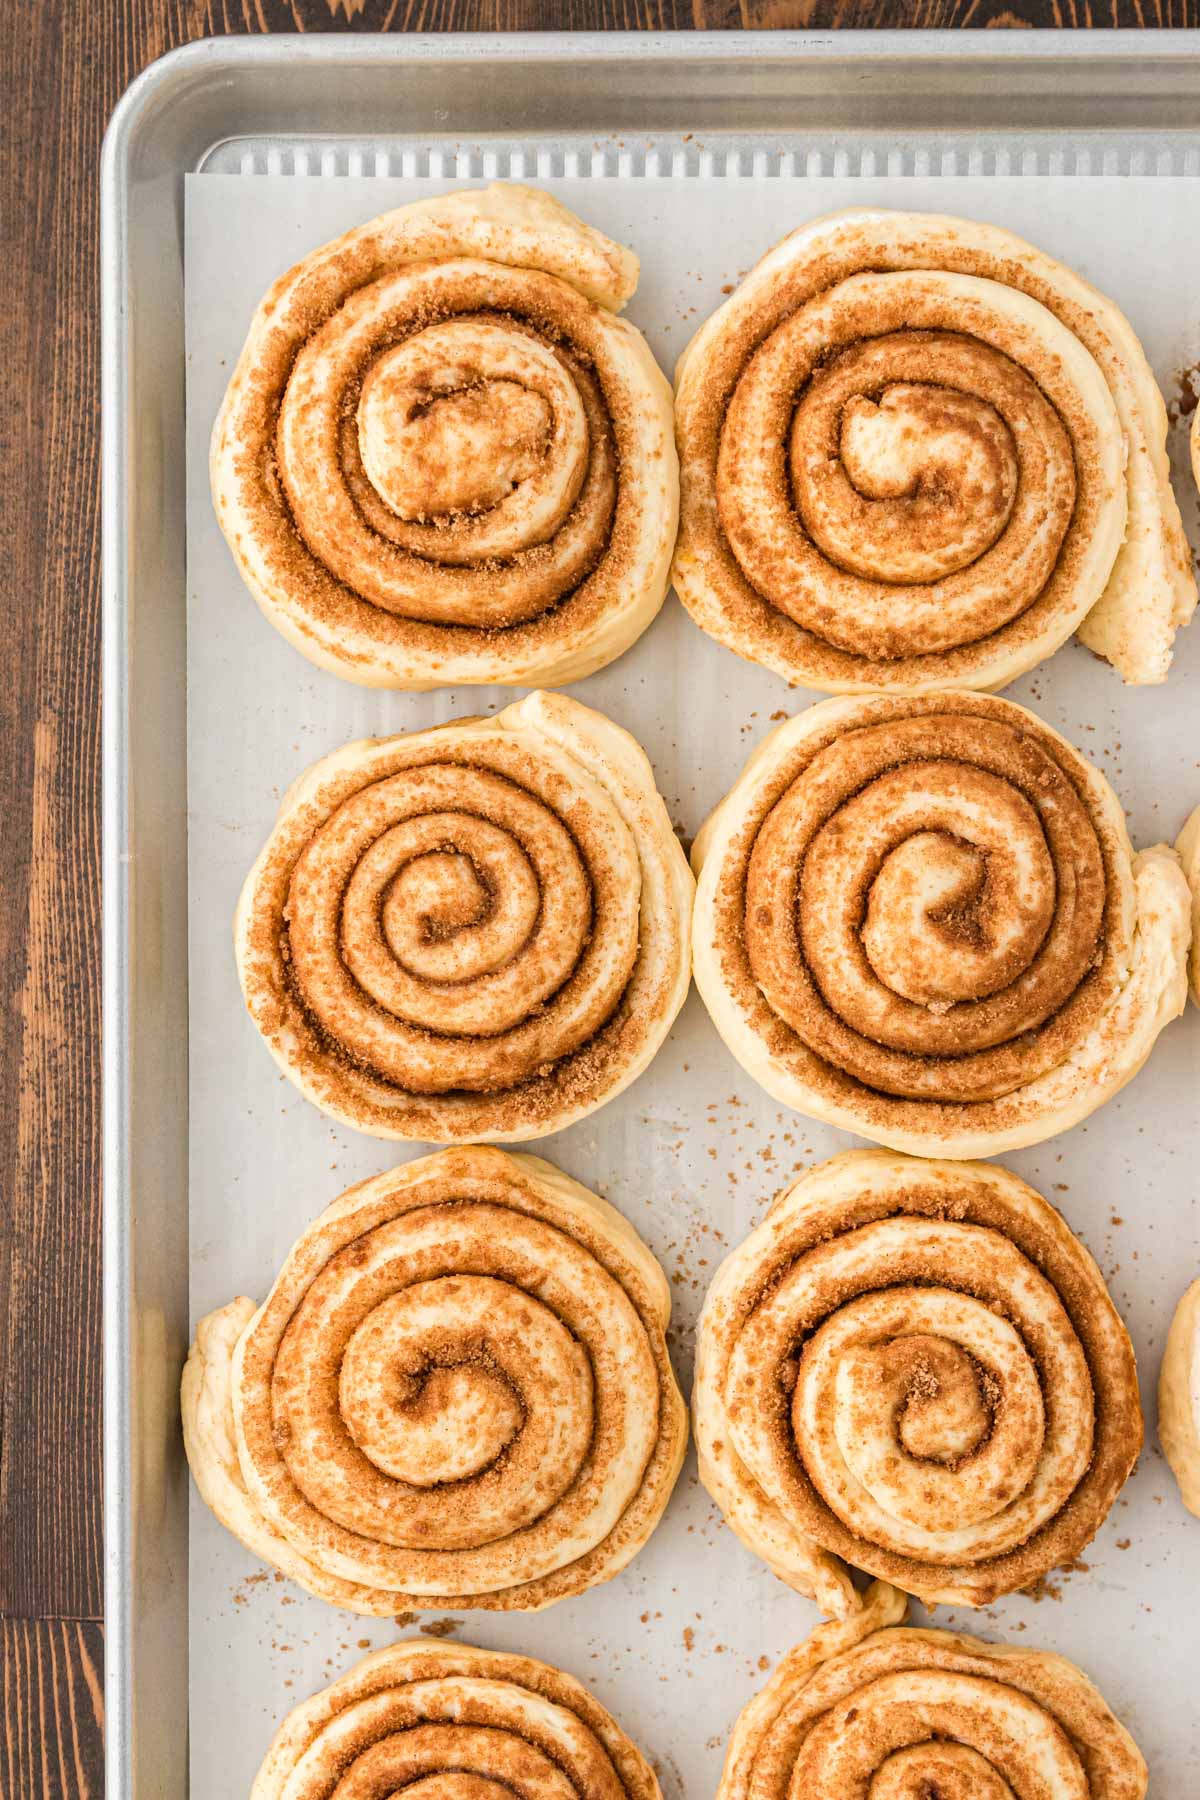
[51, 1693]
[50, 1553]
[61, 72]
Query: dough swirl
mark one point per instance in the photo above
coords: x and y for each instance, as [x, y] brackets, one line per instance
[922, 920]
[450, 1722]
[868, 1705]
[479, 931]
[918, 453]
[913, 1368]
[442, 458]
[457, 1393]
[1187, 846]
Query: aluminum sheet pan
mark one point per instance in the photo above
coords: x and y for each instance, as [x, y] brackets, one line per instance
[771, 111]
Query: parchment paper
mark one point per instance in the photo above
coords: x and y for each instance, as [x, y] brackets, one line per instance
[693, 1152]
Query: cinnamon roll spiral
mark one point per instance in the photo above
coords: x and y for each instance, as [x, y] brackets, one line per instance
[917, 453]
[450, 1722]
[442, 457]
[456, 1394]
[922, 920]
[867, 1705]
[1179, 1398]
[479, 931]
[914, 1368]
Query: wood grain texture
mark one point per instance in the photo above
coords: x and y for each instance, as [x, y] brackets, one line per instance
[51, 1692]
[60, 74]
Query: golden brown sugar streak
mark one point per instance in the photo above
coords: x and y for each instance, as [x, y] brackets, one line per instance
[867, 1703]
[913, 1368]
[457, 1393]
[480, 931]
[918, 453]
[442, 458]
[459, 1723]
[921, 919]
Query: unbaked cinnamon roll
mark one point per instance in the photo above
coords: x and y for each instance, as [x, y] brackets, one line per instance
[479, 931]
[452, 1722]
[1179, 1398]
[457, 1393]
[913, 1368]
[922, 920]
[442, 458]
[918, 453]
[869, 1705]
[1187, 846]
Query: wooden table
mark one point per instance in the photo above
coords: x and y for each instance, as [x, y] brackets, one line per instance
[63, 69]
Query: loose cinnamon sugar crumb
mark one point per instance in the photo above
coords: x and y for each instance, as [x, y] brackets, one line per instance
[1186, 397]
[923, 1382]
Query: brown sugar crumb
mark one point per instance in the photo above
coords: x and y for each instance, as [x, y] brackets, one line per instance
[1187, 394]
[689, 1638]
[923, 1383]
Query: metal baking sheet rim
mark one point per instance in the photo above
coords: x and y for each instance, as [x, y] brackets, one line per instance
[179, 110]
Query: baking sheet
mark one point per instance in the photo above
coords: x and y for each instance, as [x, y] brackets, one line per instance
[693, 1152]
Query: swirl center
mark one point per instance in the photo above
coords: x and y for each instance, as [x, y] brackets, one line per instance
[1022, 1747]
[473, 430]
[904, 486]
[938, 1771]
[936, 1429]
[945, 919]
[922, 901]
[425, 1399]
[462, 1379]
[893, 491]
[434, 452]
[449, 930]
[447, 916]
[945, 1397]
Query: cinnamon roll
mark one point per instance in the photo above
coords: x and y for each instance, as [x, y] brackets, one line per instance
[457, 1393]
[913, 1368]
[922, 920]
[442, 458]
[479, 931]
[1179, 1398]
[454, 1722]
[1187, 846]
[867, 1704]
[918, 453]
